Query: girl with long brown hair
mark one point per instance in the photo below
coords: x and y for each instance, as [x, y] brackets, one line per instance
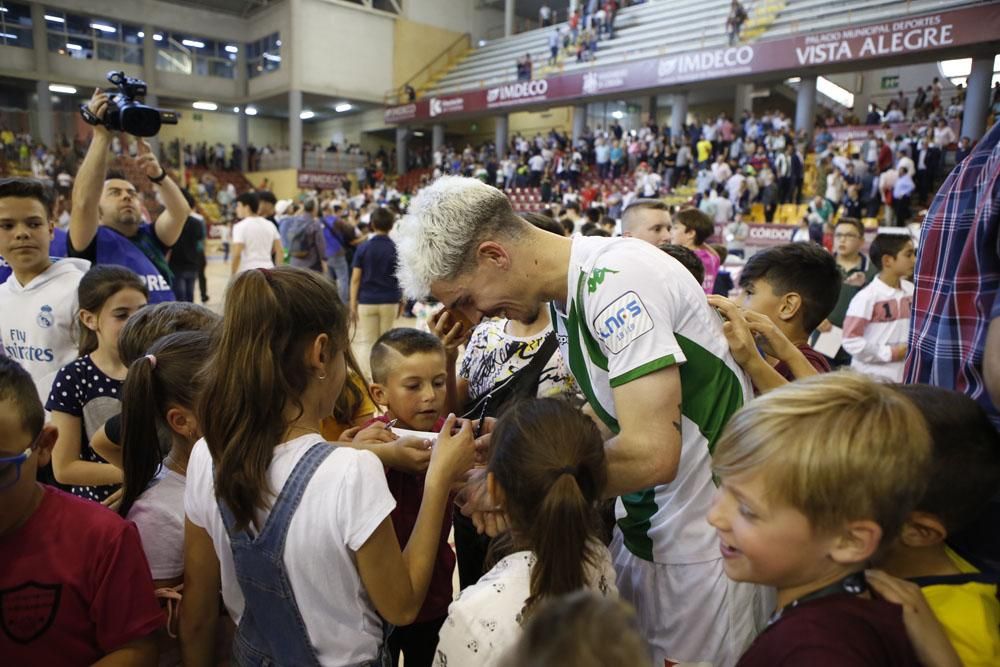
[547, 471]
[295, 532]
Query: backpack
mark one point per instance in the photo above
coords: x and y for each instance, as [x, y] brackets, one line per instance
[302, 241]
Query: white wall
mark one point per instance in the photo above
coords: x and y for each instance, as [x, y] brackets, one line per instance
[867, 86]
[346, 130]
[457, 15]
[340, 51]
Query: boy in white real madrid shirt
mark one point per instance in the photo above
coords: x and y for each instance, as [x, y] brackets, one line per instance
[651, 358]
[38, 301]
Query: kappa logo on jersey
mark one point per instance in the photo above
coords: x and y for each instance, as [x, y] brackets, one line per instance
[622, 322]
[596, 278]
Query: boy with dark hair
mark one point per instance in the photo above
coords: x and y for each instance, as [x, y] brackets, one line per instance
[256, 242]
[964, 476]
[878, 318]
[75, 584]
[409, 377]
[38, 303]
[855, 269]
[790, 288]
[691, 229]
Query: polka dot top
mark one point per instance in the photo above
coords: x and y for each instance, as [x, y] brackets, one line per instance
[81, 389]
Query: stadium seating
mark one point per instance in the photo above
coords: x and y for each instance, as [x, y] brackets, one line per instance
[656, 28]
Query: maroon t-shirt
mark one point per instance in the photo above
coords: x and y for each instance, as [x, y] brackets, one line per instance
[817, 360]
[74, 585]
[835, 631]
[408, 490]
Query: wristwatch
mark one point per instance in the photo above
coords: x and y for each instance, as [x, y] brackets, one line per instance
[159, 179]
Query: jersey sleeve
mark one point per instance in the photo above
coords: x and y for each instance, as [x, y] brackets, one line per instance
[124, 607]
[238, 234]
[632, 316]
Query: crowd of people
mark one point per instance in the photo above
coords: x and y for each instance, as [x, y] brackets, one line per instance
[804, 465]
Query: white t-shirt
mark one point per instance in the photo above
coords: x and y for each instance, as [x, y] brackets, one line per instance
[346, 500]
[633, 310]
[485, 621]
[159, 515]
[257, 236]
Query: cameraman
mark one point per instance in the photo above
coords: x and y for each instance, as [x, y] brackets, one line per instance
[106, 225]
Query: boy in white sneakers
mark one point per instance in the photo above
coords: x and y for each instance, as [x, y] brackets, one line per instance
[38, 302]
[878, 318]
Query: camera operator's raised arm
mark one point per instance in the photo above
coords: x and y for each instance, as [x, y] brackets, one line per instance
[89, 182]
[176, 210]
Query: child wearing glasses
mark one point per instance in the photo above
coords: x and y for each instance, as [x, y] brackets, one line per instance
[75, 587]
[856, 270]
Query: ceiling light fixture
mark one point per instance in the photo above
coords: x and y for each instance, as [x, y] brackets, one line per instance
[205, 106]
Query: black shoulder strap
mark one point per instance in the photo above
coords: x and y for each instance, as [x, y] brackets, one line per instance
[522, 384]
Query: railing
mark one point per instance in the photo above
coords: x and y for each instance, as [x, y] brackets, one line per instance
[442, 61]
[315, 160]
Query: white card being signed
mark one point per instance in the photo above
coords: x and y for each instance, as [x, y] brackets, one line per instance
[424, 435]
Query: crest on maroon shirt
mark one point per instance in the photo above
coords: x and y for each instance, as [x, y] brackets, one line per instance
[28, 610]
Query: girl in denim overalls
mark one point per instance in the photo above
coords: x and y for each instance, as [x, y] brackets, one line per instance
[293, 531]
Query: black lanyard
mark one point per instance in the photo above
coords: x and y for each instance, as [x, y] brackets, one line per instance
[852, 584]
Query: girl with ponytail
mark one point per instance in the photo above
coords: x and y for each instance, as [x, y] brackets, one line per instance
[547, 471]
[159, 396]
[295, 532]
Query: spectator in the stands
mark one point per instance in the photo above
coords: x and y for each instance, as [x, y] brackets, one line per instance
[554, 46]
[734, 23]
[106, 222]
[545, 15]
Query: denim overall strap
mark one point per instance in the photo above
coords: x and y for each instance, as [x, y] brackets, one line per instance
[271, 630]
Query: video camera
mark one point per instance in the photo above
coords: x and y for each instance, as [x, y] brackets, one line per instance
[126, 111]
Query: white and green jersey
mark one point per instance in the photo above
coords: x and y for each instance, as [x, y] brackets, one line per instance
[632, 310]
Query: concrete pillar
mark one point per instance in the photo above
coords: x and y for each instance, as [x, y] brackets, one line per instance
[579, 121]
[243, 141]
[678, 115]
[437, 137]
[41, 52]
[805, 106]
[744, 100]
[977, 98]
[402, 134]
[295, 128]
[45, 132]
[149, 48]
[502, 135]
[508, 18]
[242, 86]
[651, 107]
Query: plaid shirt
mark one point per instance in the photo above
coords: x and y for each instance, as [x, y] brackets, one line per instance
[957, 278]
